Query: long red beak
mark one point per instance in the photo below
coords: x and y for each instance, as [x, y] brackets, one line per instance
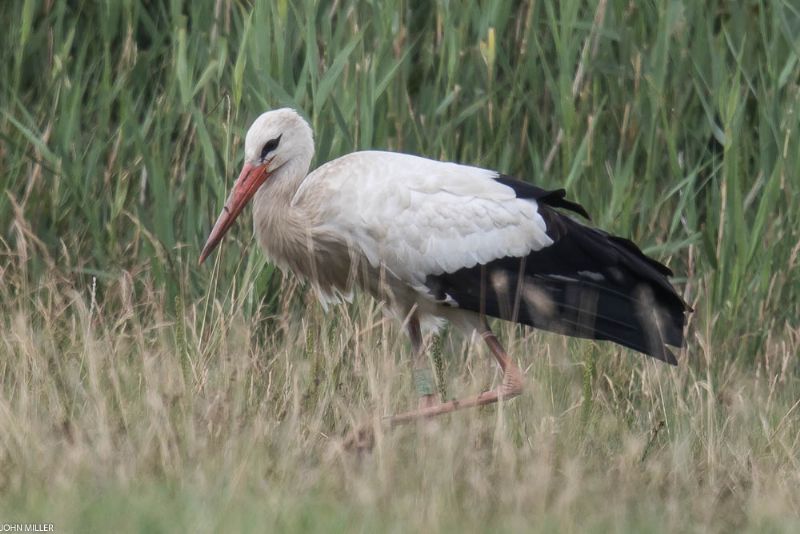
[250, 179]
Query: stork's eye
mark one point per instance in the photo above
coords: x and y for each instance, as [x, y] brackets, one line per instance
[270, 145]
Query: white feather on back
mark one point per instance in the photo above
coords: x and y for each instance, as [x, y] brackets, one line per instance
[419, 217]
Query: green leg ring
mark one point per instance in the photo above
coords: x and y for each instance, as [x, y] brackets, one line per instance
[423, 382]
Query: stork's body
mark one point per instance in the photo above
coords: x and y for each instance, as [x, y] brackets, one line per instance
[442, 241]
[386, 222]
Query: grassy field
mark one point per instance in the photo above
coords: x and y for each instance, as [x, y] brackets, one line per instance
[139, 392]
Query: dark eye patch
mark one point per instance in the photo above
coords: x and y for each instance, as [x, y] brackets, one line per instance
[270, 145]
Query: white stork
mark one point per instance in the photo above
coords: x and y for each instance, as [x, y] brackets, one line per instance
[441, 241]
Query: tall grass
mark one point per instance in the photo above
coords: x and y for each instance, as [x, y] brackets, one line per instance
[138, 389]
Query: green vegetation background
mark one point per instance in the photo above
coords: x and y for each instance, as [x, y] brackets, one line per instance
[674, 123]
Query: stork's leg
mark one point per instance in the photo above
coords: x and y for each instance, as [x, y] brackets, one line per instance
[510, 387]
[423, 377]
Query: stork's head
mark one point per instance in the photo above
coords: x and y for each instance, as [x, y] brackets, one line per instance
[275, 140]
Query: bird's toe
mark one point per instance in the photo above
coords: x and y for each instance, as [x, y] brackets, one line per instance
[360, 439]
[427, 401]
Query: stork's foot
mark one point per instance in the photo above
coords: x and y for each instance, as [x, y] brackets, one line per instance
[511, 387]
[427, 401]
[360, 439]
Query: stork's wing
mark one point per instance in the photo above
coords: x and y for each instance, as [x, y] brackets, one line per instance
[471, 239]
[418, 217]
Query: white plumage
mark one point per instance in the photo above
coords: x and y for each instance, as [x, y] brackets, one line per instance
[417, 217]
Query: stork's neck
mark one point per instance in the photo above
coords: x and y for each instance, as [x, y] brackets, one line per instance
[281, 225]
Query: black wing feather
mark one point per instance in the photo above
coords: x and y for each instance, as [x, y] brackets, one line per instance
[556, 198]
[587, 284]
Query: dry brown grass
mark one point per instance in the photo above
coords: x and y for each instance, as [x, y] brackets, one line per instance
[115, 415]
